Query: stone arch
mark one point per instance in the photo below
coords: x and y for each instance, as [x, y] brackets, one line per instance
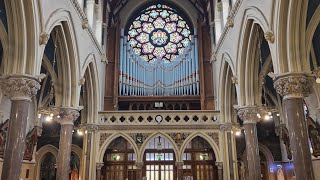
[247, 61]
[225, 91]
[4, 43]
[92, 95]
[112, 138]
[40, 154]
[61, 21]
[144, 145]
[213, 144]
[313, 24]
[267, 153]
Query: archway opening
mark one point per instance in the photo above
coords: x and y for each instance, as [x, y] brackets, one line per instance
[48, 167]
[159, 159]
[119, 161]
[199, 160]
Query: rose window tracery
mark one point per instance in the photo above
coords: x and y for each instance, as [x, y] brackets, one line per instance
[159, 32]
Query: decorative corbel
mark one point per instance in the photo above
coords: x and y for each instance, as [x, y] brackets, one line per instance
[104, 58]
[230, 22]
[44, 38]
[269, 36]
[85, 23]
[82, 81]
[234, 79]
[213, 57]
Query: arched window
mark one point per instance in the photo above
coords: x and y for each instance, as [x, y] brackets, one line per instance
[48, 167]
[158, 53]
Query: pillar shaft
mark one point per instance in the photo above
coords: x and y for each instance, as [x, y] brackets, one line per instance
[220, 170]
[67, 117]
[64, 151]
[98, 171]
[294, 87]
[252, 149]
[179, 170]
[230, 154]
[249, 117]
[299, 139]
[20, 89]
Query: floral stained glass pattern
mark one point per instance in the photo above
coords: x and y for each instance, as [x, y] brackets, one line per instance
[159, 33]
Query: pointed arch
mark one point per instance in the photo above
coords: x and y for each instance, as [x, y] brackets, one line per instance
[214, 146]
[40, 154]
[90, 73]
[145, 143]
[4, 43]
[112, 138]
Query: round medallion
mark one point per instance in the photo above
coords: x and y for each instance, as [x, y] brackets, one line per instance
[158, 118]
[159, 37]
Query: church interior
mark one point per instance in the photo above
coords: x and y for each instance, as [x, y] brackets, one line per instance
[160, 89]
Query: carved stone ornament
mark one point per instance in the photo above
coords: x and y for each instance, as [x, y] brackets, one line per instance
[249, 114]
[213, 57]
[179, 138]
[103, 138]
[44, 38]
[85, 23]
[226, 127]
[81, 81]
[92, 127]
[293, 85]
[139, 138]
[230, 22]
[234, 79]
[104, 58]
[269, 36]
[66, 115]
[99, 165]
[219, 165]
[139, 165]
[20, 87]
[179, 165]
[215, 137]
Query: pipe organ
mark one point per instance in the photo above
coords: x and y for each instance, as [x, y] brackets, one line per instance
[138, 77]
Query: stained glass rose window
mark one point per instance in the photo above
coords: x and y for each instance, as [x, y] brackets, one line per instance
[159, 33]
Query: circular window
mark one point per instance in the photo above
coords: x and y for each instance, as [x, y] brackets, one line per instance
[159, 33]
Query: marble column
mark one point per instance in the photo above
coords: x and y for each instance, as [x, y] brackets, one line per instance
[227, 128]
[220, 170]
[250, 119]
[179, 170]
[67, 116]
[98, 170]
[20, 89]
[139, 166]
[294, 87]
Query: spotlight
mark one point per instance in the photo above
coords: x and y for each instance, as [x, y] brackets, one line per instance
[39, 115]
[258, 115]
[80, 133]
[48, 118]
[278, 114]
[318, 80]
[267, 117]
[238, 133]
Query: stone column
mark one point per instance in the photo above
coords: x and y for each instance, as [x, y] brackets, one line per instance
[67, 116]
[220, 170]
[139, 166]
[250, 119]
[90, 13]
[227, 128]
[294, 87]
[98, 170]
[90, 129]
[20, 89]
[179, 170]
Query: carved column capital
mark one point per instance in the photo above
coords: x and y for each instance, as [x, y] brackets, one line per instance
[67, 115]
[219, 165]
[226, 127]
[44, 38]
[92, 127]
[248, 114]
[99, 165]
[230, 22]
[20, 87]
[139, 165]
[179, 164]
[293, 85]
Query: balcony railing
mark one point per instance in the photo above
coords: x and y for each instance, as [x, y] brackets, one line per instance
[169, 117]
